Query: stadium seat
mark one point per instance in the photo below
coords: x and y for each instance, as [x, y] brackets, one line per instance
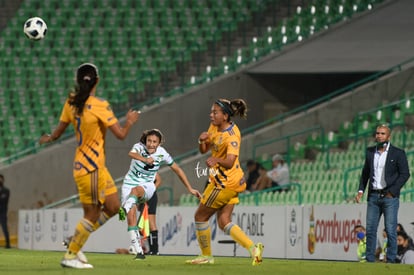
[331, 139]
[314, 141]
[407, 106]
[297, 151]
[397, 117]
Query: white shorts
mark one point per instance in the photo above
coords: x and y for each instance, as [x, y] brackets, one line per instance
[148, 187]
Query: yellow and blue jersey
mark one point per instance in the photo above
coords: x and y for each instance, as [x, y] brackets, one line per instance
[223, 143]
[90, 128]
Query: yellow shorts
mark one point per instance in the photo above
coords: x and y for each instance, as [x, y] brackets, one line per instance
[216, 197]
[93, 187]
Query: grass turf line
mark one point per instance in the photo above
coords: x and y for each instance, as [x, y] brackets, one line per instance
[15, 261]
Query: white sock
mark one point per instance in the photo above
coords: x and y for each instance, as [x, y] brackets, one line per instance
[136, 240]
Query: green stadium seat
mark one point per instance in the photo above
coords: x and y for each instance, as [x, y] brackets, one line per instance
[297, 151]
[332, 139]
[397, 118]
[314, 141]
[407, 106]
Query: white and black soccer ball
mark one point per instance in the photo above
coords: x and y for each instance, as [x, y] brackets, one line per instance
[35, 28]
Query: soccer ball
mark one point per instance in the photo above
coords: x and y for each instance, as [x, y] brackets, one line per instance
[35, 28]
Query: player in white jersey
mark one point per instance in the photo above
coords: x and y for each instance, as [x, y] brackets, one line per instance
[138, 186]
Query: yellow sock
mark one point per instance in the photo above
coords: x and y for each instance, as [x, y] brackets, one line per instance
[203, 234]
[239, 236]
[103, 218]
[82, 231]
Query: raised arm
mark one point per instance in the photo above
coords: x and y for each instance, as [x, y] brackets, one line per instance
[180, 173]
[204, 143]
[57, 133]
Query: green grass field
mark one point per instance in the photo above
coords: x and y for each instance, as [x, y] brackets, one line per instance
[14, 261]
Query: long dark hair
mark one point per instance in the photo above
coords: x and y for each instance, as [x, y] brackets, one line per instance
[233, 107]
[151, 132]
[86, 79]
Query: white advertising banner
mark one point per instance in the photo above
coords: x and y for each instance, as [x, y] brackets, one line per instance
[25, 230]
[262, 224]
[293, 239]
[293, 232]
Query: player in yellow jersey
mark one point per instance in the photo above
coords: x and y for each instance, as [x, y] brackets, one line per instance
[226, 180]
[90, 117]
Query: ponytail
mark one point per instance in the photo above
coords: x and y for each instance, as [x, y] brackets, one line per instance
[86, 79]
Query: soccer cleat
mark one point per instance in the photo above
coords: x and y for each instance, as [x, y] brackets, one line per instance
[140, 256]
[122, 214]
[80, 254]
[75, 263]
[201, 260]
[257, 254]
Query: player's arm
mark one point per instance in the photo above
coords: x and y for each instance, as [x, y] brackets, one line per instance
[204, 142]
[121, 132]
[231, 155]
[57, 133]
[180, 173]
[227, 163]
[135, 155]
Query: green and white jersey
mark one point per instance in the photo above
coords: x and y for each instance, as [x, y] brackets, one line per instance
[139, 172]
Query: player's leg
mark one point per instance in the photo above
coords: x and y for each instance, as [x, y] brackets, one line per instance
[133, 232]
[136, 195]
[202, 226]
[143, 192]
[225, 223]
[111, 204]
[92, 199]
[153, 237]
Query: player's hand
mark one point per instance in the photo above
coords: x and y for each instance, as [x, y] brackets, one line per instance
[211, 162]
[358, 197]
[132, 116]
[149, 161]
[195, 193]
[204, 137]
[45, 139]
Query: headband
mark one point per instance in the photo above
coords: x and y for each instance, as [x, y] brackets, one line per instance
[225, 107]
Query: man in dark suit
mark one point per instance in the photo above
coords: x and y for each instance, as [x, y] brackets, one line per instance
[385, 172]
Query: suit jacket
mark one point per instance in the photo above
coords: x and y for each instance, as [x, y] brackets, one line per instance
[396, 170]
